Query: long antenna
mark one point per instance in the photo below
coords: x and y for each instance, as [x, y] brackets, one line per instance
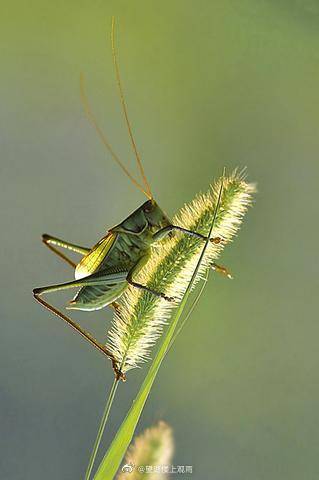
[124, 108]
[103, 138]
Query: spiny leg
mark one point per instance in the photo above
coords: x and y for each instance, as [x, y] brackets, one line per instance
[150, 290]
[222, 270]
[130, 280]
[82, 332]
[166, 230]
[94, 279]
[49, 241]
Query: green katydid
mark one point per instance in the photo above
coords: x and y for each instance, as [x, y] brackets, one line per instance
[106, 270]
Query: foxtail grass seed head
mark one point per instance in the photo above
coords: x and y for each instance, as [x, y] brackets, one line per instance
[141, 317]
[150, 451]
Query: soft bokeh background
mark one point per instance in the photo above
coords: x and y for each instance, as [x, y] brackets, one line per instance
[208, 84]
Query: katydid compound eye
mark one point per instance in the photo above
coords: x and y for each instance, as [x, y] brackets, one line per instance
[148, 208]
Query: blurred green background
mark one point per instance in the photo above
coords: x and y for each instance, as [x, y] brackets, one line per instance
[208, 84]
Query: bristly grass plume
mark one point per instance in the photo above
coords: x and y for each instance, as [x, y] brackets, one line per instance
[153, 448]
[142, 316]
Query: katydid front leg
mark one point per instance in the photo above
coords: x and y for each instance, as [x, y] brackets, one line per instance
[166, 230]
[135, 270]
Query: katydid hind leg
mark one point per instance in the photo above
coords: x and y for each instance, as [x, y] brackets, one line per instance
[53, 242]
[86, 335]
[97, 278]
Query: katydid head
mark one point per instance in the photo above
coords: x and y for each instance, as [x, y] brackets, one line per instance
[154, 215]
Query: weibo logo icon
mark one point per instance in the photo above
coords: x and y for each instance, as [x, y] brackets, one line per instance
[128, 468]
